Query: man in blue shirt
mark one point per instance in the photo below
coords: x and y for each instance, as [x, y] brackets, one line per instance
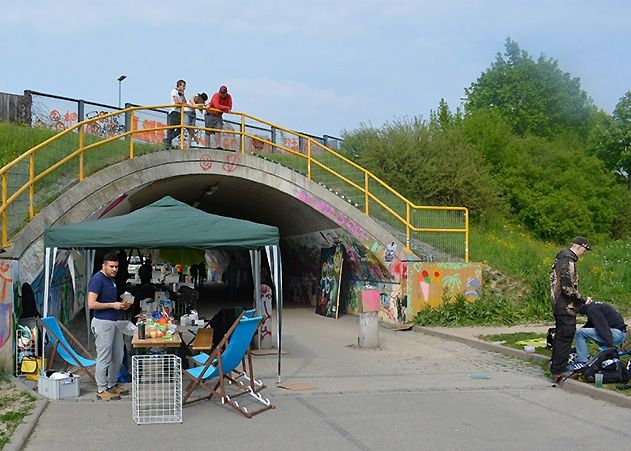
[103, 299]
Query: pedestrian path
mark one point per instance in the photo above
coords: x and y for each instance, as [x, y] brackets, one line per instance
[416, 391]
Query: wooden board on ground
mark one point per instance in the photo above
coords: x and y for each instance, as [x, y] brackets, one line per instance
[297, 387]
[406, 326]
[266, 352]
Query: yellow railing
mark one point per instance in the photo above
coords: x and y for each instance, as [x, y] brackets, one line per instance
[433, 233]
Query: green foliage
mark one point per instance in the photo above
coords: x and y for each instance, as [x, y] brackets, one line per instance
[17, 139]
[532, 96]
[611, 140]
[429, 164]
[488, 309]
[551, 185]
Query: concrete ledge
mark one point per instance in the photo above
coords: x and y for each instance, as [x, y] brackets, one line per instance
[25, 429]
[569, 385]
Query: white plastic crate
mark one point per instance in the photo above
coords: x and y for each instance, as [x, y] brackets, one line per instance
[58, 388]
[156, 389]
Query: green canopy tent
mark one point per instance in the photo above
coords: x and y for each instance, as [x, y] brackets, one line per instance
[169, 224]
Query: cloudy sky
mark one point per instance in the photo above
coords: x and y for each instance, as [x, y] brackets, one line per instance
[318, 66]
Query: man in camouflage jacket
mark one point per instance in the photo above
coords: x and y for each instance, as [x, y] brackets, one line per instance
[566, 300]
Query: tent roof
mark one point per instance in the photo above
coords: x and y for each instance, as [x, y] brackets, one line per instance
[167, 223]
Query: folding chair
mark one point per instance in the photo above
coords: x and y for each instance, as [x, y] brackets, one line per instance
[221, 362]
[248, 375]
[58, 333]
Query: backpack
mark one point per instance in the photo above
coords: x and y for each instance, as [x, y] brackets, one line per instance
[608, 363]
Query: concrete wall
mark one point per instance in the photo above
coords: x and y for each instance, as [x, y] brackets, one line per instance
[15, 108]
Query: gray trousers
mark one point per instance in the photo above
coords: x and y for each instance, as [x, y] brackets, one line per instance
[109, 352]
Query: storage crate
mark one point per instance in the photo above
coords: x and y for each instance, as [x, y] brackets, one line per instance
[58, 388]
[156, 389]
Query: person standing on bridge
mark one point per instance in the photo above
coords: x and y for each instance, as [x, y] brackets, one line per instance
[198, 100]
[566, 300]
[221, 102]
[173, 118]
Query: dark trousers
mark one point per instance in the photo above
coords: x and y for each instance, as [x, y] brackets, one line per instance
[173, 118]
[565, 330]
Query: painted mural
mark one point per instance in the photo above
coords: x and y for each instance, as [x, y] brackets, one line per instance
[8, 274]
[331, 264]
[430, 282]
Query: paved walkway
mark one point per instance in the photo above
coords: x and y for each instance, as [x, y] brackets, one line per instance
[418, 391]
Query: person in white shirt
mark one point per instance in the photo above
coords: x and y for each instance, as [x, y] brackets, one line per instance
[173, 118]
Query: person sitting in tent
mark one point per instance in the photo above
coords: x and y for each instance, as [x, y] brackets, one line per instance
[145, 272]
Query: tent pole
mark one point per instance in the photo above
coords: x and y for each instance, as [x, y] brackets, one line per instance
[45, 304]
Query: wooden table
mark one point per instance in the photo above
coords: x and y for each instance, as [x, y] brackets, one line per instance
[149, 342]
[203, 340]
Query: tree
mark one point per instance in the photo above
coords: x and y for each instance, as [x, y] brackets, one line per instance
[430, 164]
[611, 140]
[532, 96]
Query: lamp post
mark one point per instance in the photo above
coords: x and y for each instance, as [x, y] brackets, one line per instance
[120, 82]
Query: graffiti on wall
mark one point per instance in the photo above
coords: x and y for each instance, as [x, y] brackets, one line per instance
[428, 283]
[8, 271]
[331, 264]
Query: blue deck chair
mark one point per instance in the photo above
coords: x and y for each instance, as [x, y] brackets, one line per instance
[200, 359]
[219, 365]
[58, 333]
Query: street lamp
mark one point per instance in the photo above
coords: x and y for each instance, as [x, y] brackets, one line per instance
[120, 81]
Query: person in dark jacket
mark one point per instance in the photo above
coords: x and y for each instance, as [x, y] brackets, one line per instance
[566, 300]
[604, 325]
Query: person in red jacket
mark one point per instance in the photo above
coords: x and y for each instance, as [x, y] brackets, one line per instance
[221, 102]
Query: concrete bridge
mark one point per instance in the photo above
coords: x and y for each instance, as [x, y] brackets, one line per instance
[310, 215]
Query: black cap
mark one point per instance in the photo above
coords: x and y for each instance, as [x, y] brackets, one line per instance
[204, 96]
[582, 241]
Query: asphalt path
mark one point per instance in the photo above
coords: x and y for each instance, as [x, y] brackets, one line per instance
[416, 391]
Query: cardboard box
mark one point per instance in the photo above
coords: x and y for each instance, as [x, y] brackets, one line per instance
[371, 300]
[58, 388]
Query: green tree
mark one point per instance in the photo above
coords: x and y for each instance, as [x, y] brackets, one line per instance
[429, 164]
[532, 96]
[611, 140]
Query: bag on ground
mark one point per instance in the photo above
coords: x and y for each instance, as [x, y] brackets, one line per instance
[608, 363]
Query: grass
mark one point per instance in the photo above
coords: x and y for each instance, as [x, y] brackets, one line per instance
[14, 406]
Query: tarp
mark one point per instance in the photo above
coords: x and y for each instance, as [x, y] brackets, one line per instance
[166, 223]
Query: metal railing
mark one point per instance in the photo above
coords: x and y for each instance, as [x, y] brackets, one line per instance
[43, 172]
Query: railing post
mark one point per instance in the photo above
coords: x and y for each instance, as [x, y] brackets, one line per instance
[81, 155]
[131, 128]
[5, 227]
[31, 185]
[309, 159]
[407, 226]
[128, 123]
[273, 133]
[466, 235]
[80, 111]
[182, 126]
[366, 192]
[242, 134]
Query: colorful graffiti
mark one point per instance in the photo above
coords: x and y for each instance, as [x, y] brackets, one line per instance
[8, 271]
[333, 213]
[331, 262]
[431, 282]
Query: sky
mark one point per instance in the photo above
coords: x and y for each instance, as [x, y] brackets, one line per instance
[318, 66]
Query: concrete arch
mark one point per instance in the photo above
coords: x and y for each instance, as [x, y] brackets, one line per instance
[268, 191]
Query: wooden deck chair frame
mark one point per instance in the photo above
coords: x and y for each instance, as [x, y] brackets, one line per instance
[67, 335]
[247, 370]
[223, 375]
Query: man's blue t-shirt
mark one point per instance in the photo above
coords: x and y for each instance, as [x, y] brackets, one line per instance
[105, 288]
